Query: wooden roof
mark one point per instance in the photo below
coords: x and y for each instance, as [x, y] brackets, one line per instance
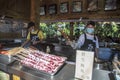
[23, 9]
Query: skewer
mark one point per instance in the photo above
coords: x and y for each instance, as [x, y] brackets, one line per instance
[64, 35]
[115, 64]
[67, 38]
[118, 62]
[23, 53]
[17, 58]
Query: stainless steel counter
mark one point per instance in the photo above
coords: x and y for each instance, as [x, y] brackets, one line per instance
[3, 65]
[66, 73]
[4, 61]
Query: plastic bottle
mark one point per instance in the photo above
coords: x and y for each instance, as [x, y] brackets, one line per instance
[48, 49]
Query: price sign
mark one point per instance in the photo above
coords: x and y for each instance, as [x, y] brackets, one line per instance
[84, 65]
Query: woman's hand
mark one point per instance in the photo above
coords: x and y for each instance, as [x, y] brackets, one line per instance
[72, 44]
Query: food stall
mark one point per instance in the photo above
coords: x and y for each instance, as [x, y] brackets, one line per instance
[70, 17]
[19, 64]
[67, 71]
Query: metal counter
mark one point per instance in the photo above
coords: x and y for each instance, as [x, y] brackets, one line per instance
[4, 61]
[66, 73]
[3, 65]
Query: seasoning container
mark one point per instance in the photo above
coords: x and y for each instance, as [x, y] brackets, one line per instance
[47, 49]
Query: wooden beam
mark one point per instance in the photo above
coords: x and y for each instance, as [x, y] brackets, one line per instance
[32, 12]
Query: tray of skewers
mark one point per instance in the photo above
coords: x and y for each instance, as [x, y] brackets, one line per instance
[7, 54]
[38, 60]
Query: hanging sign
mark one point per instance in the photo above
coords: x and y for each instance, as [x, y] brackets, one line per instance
[84, 65]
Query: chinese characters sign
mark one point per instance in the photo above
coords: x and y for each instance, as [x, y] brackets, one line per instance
[84, 65]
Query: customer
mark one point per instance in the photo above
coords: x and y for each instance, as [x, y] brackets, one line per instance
[88, 41]
[34, 36]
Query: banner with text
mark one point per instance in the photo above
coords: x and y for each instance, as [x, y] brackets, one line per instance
[84, 65]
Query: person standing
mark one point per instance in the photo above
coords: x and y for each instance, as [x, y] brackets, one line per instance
[35, 36]
[88, 41]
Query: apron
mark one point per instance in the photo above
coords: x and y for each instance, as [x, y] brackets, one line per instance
[34, 37]
[89, 45]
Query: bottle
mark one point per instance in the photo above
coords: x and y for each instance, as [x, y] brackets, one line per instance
[47, 49]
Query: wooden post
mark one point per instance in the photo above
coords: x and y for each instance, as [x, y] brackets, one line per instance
[35, 17]
[71, 30]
